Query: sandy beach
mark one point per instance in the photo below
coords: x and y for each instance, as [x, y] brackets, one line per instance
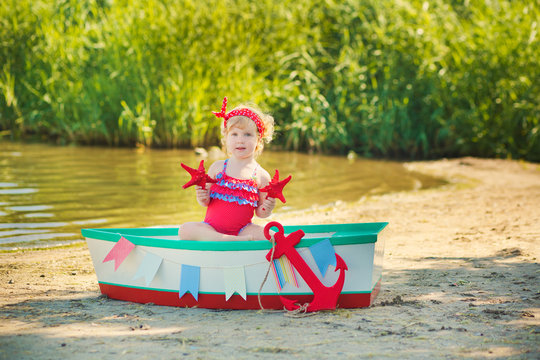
[461, 279]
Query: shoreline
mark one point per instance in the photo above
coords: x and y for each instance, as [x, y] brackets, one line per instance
[460, 280]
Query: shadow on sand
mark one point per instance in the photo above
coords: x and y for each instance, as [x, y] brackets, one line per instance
[450, 307]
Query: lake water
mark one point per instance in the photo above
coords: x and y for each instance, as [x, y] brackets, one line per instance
[48, 193]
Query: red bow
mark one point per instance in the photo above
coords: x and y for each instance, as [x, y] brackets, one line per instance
[239, 112]
[223, 113]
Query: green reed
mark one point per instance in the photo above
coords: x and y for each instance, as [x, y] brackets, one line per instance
[411, 79]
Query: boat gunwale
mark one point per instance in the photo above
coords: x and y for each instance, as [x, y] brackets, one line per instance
[344, 234]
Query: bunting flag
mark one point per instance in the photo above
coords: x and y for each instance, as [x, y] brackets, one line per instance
[324, 254]
[148, 267]
[284, 272]
[234, 277]
[235, 281]
[119, 252]
[189, 281]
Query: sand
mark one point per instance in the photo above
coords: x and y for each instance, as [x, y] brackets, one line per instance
[461, 280]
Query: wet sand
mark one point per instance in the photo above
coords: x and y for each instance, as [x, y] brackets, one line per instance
[461, 279]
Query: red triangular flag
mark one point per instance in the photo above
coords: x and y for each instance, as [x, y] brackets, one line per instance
[119, 252]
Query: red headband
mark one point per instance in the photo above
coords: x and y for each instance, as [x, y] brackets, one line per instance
[239, 112]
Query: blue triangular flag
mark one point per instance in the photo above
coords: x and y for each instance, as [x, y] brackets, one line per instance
[324, 254]
[148, 267]
[189, 281]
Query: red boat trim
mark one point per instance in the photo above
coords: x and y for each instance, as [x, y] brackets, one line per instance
[217, 301]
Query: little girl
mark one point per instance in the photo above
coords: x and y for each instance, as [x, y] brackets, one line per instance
[235, 197]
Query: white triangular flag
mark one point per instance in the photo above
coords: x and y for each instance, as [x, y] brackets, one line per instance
[148, 267]
[235, 281]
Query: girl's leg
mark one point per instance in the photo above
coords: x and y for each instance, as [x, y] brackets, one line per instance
[203, 231]
[254, 231]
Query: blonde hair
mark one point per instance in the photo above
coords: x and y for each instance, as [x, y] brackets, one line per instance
[243, 121]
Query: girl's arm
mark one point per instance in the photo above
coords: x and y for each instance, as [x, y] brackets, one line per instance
[266, 204]
[203, 194]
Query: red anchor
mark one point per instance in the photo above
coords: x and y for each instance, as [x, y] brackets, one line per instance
[325, 298]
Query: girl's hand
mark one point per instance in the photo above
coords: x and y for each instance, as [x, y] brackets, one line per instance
[265, 209]
[203, 194]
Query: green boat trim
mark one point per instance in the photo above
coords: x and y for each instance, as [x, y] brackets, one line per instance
[343, 234]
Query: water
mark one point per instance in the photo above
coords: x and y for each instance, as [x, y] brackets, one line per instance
[48, 193]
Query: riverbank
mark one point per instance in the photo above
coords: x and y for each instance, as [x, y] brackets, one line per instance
[461, 280]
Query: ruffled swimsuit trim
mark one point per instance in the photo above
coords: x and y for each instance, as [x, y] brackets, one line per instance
[241, 191]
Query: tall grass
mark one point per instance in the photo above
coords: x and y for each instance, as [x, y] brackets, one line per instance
[413, 79]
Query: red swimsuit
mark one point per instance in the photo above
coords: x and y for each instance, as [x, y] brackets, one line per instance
[232, 203]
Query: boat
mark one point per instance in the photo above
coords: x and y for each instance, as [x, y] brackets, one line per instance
[152, 265]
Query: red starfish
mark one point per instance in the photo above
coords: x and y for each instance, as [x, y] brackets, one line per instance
[275, 188]
[198, 176]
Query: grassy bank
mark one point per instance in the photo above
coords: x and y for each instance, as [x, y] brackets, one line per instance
[387, 78]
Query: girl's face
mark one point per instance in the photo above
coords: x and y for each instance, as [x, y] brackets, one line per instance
[242, 141]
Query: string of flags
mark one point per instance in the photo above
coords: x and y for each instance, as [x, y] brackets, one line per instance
[234, 277]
